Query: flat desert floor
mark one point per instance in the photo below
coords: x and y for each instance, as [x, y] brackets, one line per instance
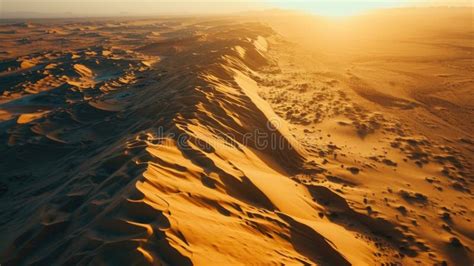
[267, 138]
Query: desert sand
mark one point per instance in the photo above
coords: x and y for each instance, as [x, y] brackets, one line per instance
[261, 139]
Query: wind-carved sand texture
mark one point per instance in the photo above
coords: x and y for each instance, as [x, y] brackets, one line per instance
[136, 142]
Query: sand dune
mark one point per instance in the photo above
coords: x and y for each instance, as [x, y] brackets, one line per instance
[227, 142]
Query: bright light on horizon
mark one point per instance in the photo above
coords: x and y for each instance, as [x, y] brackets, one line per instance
[336, 8]
[341, 8]
[333, 8]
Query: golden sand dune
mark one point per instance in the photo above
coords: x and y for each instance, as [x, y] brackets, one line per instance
[228, 142]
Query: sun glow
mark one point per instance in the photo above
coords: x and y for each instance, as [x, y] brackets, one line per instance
[76, 8]
[341, 8]
[336, 8]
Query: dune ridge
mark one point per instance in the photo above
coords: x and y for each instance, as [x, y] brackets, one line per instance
[137, 199]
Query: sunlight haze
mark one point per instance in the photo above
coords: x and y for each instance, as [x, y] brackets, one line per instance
[70, 8]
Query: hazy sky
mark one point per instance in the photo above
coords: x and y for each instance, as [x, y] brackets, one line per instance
[150, 7]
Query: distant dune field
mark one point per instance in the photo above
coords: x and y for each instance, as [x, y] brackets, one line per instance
[260, 139]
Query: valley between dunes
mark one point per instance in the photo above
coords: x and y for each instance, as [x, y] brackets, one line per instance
[238, 140]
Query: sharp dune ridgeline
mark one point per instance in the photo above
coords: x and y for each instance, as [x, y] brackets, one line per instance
[261, 139]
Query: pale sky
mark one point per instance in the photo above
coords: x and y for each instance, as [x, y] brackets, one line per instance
[150, 7]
